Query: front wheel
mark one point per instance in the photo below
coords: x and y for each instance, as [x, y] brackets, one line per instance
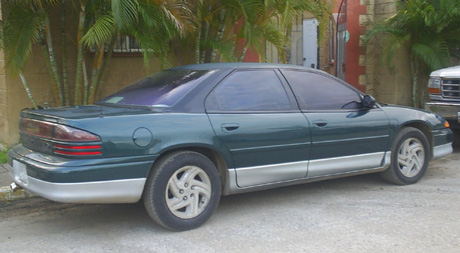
[182, 191]
[410, 155]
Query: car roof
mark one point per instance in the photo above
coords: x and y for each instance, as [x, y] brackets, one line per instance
[238, 65]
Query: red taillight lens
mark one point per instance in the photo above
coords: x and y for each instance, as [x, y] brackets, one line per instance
[37, 128]
[77, 150]
[55, 131]
[71, 134]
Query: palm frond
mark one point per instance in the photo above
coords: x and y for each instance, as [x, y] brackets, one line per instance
[101, 32]
[20, 32]
[125, 12]
[433, 52]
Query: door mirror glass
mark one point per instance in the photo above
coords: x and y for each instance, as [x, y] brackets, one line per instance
[368, 101]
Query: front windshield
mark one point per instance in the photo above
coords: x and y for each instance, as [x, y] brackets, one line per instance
[163, 89]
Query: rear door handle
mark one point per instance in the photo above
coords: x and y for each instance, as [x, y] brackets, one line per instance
[229, 127]
[320, 123]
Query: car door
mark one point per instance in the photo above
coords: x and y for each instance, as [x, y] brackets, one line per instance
[258, 121]
[345, 136]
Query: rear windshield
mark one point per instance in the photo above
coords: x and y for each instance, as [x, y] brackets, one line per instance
[163, 89]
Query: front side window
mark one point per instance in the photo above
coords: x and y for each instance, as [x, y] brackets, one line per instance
[254, 90]
[318, 92]
[163, 89]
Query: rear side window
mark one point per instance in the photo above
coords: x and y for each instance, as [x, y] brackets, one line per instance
[163, 89]
[319, 92]
[253, 90]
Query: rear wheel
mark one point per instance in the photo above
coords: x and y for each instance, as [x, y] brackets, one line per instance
[409, 157]
[182, 191]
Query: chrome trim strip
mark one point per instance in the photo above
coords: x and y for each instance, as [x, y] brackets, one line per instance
[113, 191]
[269, 147]
[442, 150]
[337, 165]
[353, 139]
[257, 175]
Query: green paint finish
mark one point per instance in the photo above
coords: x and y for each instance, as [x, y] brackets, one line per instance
[347, 133]
[264, 138]
[441, 137]
[59, 170]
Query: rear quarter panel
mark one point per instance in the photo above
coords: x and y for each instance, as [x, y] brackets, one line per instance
[169, 131]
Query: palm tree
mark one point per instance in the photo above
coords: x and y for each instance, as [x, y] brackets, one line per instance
[216, 35]
[429, 29]
[28, 24]
[152, 23]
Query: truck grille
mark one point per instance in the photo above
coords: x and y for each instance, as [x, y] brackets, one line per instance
[451, 88]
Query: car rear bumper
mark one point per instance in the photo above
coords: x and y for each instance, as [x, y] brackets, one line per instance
[114, 191]
[120, 182]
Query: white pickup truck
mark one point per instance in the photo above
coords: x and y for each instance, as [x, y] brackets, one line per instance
[444, 95]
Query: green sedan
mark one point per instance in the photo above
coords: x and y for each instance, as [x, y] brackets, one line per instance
[183, 137]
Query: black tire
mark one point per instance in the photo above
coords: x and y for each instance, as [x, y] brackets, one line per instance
[410, 155]
[186, 179]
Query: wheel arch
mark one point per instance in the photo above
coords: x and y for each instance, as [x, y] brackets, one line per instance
[425, 129]
[215, 157]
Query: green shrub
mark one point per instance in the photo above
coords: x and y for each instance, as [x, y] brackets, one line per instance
[3, 152]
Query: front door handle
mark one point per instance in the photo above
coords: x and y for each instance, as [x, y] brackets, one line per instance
[320, 123]
[229, 127]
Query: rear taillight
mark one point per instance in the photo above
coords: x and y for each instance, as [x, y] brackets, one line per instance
[77, 150]
[55, 131]
[78, 142]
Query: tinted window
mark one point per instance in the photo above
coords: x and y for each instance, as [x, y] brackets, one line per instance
[163, 89]
[319, 92]
[258, 90]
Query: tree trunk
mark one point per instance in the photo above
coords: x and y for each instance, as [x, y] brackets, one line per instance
[79, 56]
[198, 32]
[24, 83]
[85, 83]
[95, 76]
[53, 62]
[220, 32]
[414, 80]
[243, 53]
[205, 38]
[44, 48]
[65, 79]
[107, 58]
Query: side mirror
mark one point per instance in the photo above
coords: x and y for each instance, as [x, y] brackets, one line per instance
[368, 101]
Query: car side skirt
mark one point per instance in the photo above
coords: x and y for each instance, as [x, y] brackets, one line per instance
[330, 168]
